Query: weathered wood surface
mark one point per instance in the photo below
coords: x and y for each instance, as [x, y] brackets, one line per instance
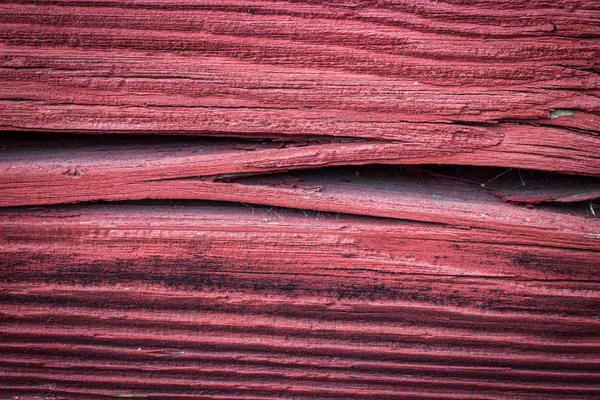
[379, 192]
[247, 302]
[68, 169]
[251, 251]
[511, 84]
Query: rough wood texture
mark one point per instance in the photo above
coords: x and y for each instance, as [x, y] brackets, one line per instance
[509, 84]
[49, 170]
[231, 302]
[250, 251]
[362, 191]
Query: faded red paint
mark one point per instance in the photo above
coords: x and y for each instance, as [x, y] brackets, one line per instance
[259, 256]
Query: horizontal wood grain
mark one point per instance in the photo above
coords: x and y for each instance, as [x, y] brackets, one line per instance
[380, 192]
[465, 83]
[215, 300]
[50, 168]
[272, 199]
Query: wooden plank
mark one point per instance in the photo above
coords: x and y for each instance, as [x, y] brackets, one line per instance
[379, 192]
[54, 169]
[431, 76]
[209, 301]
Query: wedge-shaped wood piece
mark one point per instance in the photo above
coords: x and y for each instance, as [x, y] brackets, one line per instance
[374, 191]
[52, 169]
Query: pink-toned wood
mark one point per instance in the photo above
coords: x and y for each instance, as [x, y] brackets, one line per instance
[362, 191]
[70, 169]
[446, 82]
[204, 301]
[250, 252]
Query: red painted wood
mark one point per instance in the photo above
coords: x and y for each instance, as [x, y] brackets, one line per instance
[251, 251]
[268, 302]
[362, 191]
[70, 169]
[443, 82]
